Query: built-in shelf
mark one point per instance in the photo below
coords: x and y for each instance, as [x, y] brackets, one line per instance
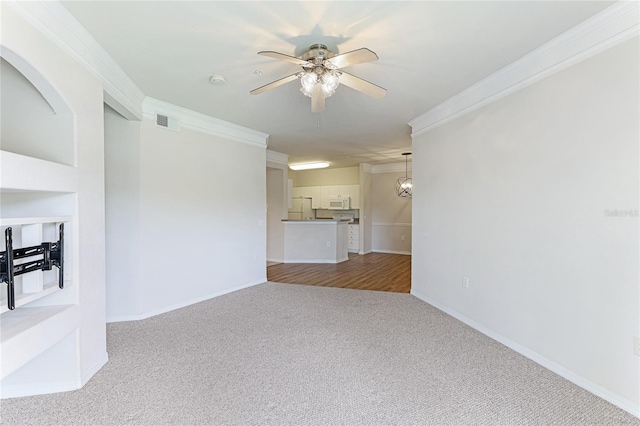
[16, 221]
[23, 173]
[23, 299]
[27, 332]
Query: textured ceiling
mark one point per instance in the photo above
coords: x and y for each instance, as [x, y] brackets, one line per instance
[429, 51]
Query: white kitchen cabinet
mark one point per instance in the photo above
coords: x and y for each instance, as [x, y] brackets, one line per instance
[296, 192]
[324, 197]
[353, 235]
[312, 192]
[340, 191]
[320, 195]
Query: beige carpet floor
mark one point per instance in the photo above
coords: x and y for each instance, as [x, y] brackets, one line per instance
[278, 354]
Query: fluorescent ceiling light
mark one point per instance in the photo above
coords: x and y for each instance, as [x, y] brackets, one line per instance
[307, 166]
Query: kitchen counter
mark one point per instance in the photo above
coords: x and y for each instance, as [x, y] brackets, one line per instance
[315, 241]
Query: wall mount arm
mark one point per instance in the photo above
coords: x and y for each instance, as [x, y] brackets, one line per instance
[52, 255]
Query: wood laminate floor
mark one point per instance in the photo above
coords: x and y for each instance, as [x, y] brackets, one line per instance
[373, 271]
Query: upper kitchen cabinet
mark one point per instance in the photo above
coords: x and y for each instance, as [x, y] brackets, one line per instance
[316, 199]
[339, 191]
[342, 191]
[324, 197]
[312, 192]
[320, 195]
[297, 192]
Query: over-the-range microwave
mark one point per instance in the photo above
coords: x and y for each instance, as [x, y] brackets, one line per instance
[339, 203]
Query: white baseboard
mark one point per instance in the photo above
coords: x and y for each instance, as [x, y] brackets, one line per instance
[169, 308]
[16, 391]
[391, 251]
[87, 375]
[315, 260]
[275, 260]
[19, 390]
[574, 378]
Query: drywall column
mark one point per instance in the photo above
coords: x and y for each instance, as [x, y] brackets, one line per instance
[366, 216]
[275, 214]
[122, 193]
[534, 198]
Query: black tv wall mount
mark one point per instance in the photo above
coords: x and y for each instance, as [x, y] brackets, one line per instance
[52, 255]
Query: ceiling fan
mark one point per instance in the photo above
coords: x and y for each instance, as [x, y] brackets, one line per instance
[321, 73]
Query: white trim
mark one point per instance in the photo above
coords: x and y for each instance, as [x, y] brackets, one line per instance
[574, 378]
[391, 168]
[612, 26]
[391, 224]
[408, 253]
[88, 374]
[316, 260]
[275, 260]
[158, 311]
[366, 167]
[203, 123]
[13, 221]
[277, 157]
[48, 175]
[53, 20]
[19, 390]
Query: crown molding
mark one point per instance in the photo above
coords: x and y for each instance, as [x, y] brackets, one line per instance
[610, 27]
[203, 123]
[365, 167]
[277, 157]
[391, 168]
[53, 20]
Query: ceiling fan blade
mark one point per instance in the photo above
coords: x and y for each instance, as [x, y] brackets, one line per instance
[363, 86]
[317, 99]
[274, 84]
[358, 56]
[283, 57]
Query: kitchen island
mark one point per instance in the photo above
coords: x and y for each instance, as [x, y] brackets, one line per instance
[315, 241]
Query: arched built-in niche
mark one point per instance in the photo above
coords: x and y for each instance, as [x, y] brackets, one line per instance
[36, 122]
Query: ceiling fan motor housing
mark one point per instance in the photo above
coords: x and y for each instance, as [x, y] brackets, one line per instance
[318, 52]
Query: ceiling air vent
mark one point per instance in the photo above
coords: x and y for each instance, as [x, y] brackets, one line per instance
[168, 122]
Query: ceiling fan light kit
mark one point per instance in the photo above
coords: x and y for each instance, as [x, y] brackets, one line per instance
[320, 75]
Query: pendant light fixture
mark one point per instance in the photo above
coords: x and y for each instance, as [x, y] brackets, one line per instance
[404, 184]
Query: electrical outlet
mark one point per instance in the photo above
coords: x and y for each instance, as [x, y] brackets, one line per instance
[402, 238]
[636, 345]
[328, 243]
[465, 282]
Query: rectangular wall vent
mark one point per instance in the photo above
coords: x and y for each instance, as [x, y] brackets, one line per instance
[162, 120]
[168, 122]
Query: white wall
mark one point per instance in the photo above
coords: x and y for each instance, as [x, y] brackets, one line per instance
[122, 188]
[28, 120]
[391, 228]
[514, 196]
[275, 213]
[202, 219]
[366, 228]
